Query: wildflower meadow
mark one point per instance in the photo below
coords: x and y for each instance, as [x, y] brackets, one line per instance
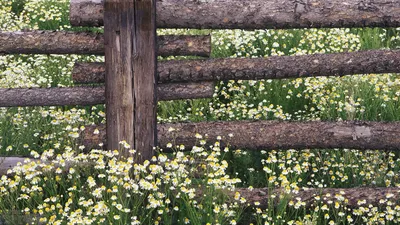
[62, 183]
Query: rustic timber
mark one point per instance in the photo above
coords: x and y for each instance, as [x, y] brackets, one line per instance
[118, 43]
[51, 42]
[7, 163]
[179, 91]
[145, 78]
[67, 42]
[191, 45]
[130, 56]
[11, 97]
[261, 135]
[351, 197]
[86, 73]
[274, 67]
[256, 14]
[86, 13]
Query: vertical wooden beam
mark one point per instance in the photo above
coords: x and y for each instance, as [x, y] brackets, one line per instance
[118, 38]
[129, 39]
[145, 78]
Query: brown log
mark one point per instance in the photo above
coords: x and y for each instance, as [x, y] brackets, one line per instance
[7, 163]
[118, 41]
[256, 14]
[193, 45]
[178, 91]
[352, 197]
[51, 96]
[260, 135]
[86, 73]
[86, 13]
[66, 42]
[51, 42]
[12, 216]
[131, 62]
[95, 95]
[274, 67]
[144, 82]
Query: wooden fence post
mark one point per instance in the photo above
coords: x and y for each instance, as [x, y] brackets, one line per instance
[130, 45]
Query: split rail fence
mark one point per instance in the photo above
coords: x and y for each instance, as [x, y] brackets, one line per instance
[135, 81]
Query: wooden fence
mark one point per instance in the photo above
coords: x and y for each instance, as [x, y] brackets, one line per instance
[135, 81]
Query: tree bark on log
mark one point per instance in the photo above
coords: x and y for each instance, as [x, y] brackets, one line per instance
[255, 14]
[51, 96]
[86, 13]
[193, 45]
[260, 135]
[178, 91]
[354, 197]
[7, 163]
[87, 73]
[65, 42]
[274, 67]
[20, 97]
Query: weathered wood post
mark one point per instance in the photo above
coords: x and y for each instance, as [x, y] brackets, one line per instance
[130, 46]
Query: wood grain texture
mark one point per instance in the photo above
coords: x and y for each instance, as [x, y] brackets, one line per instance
[256, 14]
[86, 13]
[12, 97]
[67, 42]
[179, 91]
[51, 42]
[130, 56]
[274, 67]
[354, 197]
[191, 45]
[19, 97]
[351, 197]
[7, 163]
[87, 73]
[262, 135]
[145, 79]
[118, 43]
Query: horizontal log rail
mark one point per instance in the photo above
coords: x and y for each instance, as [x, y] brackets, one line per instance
[274, 67]
[255, 14]
[67, 42]
[353, 196]
[179, 91]
[7, 163]
[14, 97]
[262, 135]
